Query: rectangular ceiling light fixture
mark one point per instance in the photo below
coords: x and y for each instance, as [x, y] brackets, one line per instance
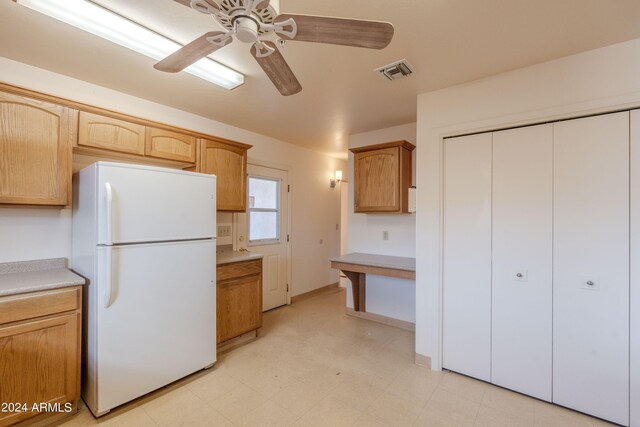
[94, 19]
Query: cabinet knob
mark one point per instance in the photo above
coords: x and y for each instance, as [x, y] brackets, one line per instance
[519, 275]
[590, 283]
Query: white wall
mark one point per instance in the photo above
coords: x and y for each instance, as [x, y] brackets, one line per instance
[40, 233]
[386, 296]
[601, 80]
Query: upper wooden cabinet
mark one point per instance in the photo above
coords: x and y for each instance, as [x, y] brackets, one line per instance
[35, 152]
[228, 161]
[169, 145]
[110, 134]
[383, 175]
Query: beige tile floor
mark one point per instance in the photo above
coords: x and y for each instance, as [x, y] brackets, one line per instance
[314, 366]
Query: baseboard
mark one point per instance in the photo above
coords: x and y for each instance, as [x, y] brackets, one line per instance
[313, 293]
[407, 326]
[237, 342]
[423, 360]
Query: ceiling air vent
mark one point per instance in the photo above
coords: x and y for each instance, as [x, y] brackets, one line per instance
[396, 71]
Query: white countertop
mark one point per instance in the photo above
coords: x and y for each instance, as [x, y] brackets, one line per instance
[228, 257]
[33, 276]
[382, 261]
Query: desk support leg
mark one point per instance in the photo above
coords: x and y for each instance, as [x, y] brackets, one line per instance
[358, 288]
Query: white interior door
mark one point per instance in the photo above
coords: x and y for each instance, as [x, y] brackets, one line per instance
[522, 260]
[591, 266]
[635, 268]
[265, 229]
[156, 317]
[467, 256]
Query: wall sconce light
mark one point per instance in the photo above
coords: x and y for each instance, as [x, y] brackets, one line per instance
[337, 179]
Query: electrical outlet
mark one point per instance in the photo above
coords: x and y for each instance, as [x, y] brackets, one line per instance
[385, 235]
[224, 231]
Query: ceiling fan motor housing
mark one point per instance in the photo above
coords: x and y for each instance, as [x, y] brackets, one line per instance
[246, 30]
[232, 11]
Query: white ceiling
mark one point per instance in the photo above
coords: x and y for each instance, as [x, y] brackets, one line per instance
[448, 41]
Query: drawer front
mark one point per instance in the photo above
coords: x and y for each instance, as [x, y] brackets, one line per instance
[238, 269]
[15, 308]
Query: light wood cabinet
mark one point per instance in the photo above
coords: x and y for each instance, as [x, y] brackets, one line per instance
[170, 145]
[107, 133]
[382, 175]
[228, 161]
[40, 352]
[35, 152]
[239, 299]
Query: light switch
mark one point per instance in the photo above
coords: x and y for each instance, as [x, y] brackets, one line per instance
[224, 231]
[520, 275]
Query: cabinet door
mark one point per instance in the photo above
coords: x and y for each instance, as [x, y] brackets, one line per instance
[591, 266]
[229, 164]
[467, 256]
[377, 180]
[40, 363]
[635, 268]
[522, 260]
[111, 134]
[35, 152]
[169, 145]
[239, 307]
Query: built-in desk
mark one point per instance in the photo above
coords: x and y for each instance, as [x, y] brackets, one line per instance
[357, 265]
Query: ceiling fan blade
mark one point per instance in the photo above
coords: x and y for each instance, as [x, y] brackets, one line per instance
[341, 31]
[262, 4]
[277, 69]
[204, 6]
[197, 49]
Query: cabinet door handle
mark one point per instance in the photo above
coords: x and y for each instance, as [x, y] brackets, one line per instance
[590, 283]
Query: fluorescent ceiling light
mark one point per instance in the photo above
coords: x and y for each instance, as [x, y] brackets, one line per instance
[94, 19]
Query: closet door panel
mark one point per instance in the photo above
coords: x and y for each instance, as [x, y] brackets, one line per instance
[467, 256]
[591, 266]
[635, 268]
[522, 260]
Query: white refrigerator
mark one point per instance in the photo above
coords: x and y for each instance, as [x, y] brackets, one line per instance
[144, 237]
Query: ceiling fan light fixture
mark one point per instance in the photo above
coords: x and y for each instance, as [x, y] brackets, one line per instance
[104, 23]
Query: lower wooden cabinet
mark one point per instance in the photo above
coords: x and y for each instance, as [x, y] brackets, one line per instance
[239, 299]
[39, 354]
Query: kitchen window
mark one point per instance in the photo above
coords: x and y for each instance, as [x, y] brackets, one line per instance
[264, 211]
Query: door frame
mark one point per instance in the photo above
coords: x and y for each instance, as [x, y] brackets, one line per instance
[289, 195]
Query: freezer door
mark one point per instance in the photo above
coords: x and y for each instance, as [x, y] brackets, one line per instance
[156, 317]
[138, 204]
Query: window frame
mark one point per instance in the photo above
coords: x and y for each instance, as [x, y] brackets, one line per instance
[277, 211]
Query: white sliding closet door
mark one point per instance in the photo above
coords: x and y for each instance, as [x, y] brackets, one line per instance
[635, 268]
[467, 256]
[591, 266]
[522, 260]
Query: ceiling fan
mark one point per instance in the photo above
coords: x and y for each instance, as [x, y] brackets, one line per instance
[253, 21]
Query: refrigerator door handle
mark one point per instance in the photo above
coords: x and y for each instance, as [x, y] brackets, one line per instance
[108, 191]
[108, 290]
